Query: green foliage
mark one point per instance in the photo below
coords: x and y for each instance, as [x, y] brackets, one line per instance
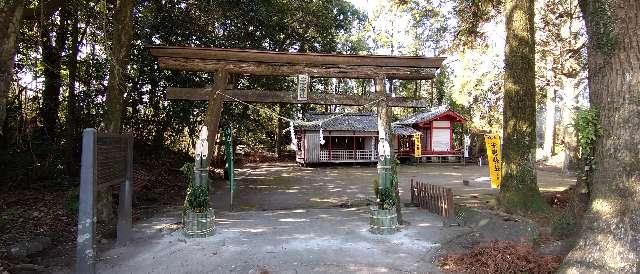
[72, 201]
[588, 128]
[198, 198]
[443, 86]
[197, 195]
[187, 170]
[472, 14]
[386, 196]
[282, 25]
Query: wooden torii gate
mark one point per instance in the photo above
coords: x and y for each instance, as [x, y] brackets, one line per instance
[251, 62]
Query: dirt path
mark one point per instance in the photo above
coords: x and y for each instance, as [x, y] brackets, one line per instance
[288, 241]
[289, 220]
[287, 186]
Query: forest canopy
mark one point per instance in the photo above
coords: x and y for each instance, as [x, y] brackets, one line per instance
[64, 51]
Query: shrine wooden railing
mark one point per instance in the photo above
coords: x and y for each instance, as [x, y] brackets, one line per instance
[435, 199]
[348, 155]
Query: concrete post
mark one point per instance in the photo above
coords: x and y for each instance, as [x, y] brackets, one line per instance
[125, 203]
[85, 252]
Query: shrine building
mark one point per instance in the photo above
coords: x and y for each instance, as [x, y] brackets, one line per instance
[353, 137]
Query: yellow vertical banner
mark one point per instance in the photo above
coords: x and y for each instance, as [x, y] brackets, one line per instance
[492, 142]
[417, 145]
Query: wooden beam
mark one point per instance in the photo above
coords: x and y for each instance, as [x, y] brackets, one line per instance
[273, 69]
[264, 96]
[294, 58]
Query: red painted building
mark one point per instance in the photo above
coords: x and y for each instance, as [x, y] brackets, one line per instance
[436, 134]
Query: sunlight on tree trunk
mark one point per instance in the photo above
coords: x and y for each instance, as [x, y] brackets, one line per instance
[549, 123]
[519, 189]
[611, 232]
[10, 16]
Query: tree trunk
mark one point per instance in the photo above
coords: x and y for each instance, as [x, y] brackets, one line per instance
[519, 189]
[567, 133]
[52, 62]
[119, 59]
[549, 123]
[385, 135]
[10, 16]
[610, 239]
[72, 113]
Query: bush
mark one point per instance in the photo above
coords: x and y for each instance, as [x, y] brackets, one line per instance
[197, 195]
[198, 198]
[386, 196]
[72, 201]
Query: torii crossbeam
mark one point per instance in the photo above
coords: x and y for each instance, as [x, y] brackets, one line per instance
[250, 62]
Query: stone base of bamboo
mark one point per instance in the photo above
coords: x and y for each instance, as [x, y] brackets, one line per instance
[198, 225]
[383, 221]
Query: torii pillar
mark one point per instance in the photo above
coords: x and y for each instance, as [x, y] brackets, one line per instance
[214, 110]
[385, 146]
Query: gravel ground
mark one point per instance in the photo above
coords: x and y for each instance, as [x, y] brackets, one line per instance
[288, 241]
[290, 219]
[288, 186]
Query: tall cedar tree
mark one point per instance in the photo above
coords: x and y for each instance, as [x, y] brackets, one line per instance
[118, 62]
[10, 16]
[610, 240]
[519, 189]
[52, 49]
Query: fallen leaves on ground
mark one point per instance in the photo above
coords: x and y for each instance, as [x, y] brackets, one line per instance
[500, 257]
[29, 212]
[557, 199]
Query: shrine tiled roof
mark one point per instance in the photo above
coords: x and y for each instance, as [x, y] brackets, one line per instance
[403, 130]
[350, 121]
[369, 122]
[424, 116]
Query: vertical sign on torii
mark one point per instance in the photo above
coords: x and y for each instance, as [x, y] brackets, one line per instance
[303, 87]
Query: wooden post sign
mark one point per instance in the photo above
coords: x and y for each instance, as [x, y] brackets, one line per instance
[303, 87]
[492, 142]
[228, 148]
[107, 159]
